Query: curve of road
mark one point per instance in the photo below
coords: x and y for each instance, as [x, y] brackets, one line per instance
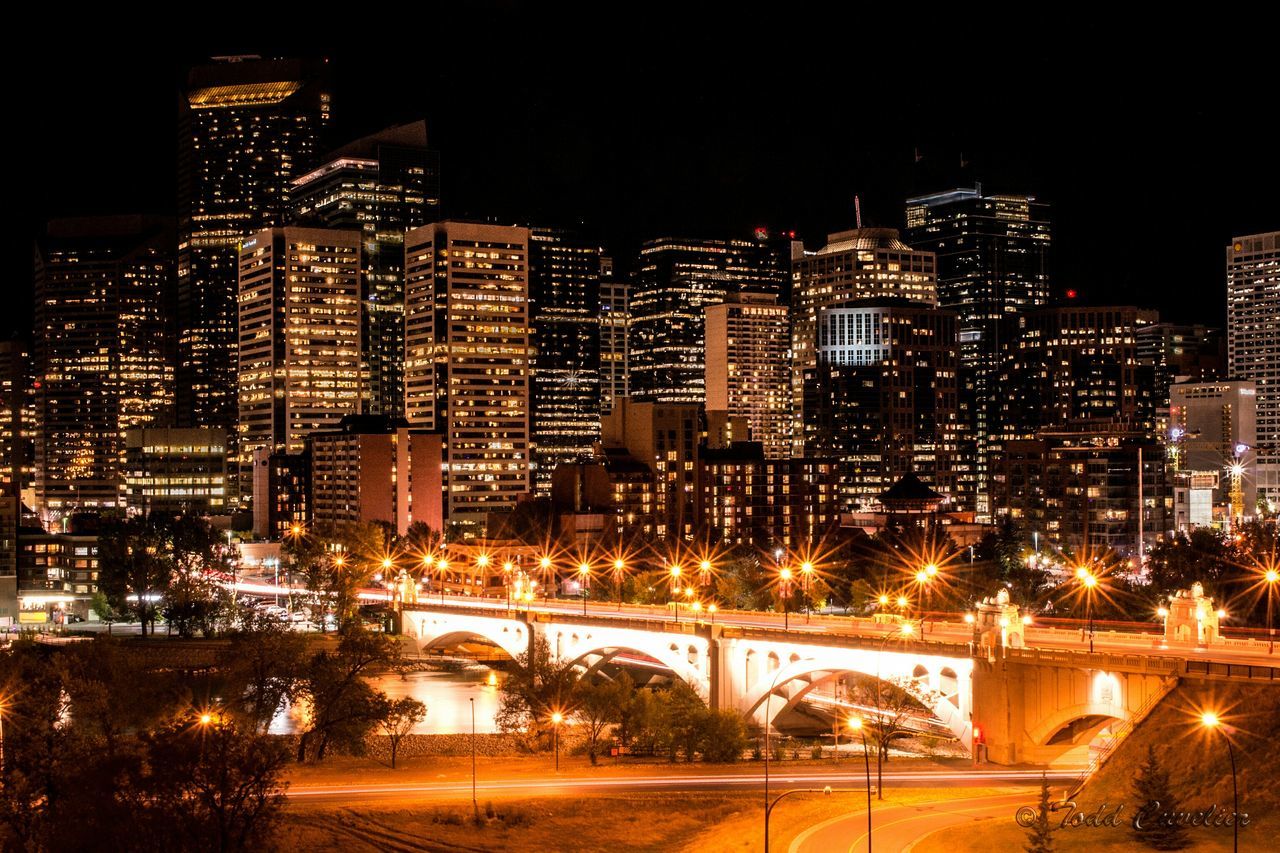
[899, 827]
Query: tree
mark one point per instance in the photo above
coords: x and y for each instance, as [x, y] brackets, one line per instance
[266, 666]
[196, 603]
[1040, 833]
[723, 737]
[597, 705]
[536, 687]
[894, 700]
[211, 787]
[132, 570]
[1156, 805]
[344, 708]
[397, 717]
[684, 719]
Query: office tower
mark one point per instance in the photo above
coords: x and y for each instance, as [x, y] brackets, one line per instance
[247, 128]
[1212, 425]
[883, 400]
[615, 321]
[1253, 342]
[564, 325]
[299, 338]
[17, 417]
[676, 281]
[1074, 364]
[101, 358]
[374, 468]
[175, 470]
[281, 490]
[381, 185]
[749, 368]
[1181, 353]
[467, 359]
[665, 437]
[864, 263]
[1081, 487]
[747, 499]
[614, 484]
[992, 260]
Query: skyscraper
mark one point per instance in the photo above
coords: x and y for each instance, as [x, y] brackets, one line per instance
[247, 128]
[992, 260]
[102, 363]
[882, 399]
[864, 263]
[676, 281]
[564, 319]
[749, 368]
[467, 359]
[1253, 342]
[615, 322]
[299, 338]
[1209, 423]
[381, 185]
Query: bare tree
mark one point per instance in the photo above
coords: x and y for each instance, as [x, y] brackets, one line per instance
[396, 718]
[894, 701]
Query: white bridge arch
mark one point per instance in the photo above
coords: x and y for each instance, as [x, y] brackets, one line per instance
[440, 630]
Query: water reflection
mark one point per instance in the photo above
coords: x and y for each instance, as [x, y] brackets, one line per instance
[444, 693]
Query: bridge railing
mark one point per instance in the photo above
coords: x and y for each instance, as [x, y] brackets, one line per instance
[1216, 669]
[1155, 664]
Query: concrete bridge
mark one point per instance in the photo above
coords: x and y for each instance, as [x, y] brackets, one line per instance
[1027, 705]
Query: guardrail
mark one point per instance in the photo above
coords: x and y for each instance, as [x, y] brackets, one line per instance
[1216, 669]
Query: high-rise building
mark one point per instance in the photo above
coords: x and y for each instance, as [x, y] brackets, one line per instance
[102, 364]
[667, 438]
[882, 399]
[17, 417]
[375, 468]
[749, 368]
[676, 281]
[615, 321]
[247, 128]
[747, 499]
[467, 359]
[1212, 426]
[1074, 364]
[1253, 342]
[564, 321]
[992, 260]
[299, 338]
[381, 185]
[175, 470]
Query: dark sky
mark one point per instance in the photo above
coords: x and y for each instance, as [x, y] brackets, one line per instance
[1153, 144]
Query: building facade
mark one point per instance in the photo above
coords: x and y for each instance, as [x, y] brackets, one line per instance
[564, 289]
[615, 321]
[749, 368]
[102, 362]
[993, 262]
[381, 186]
[666, 438]
[883, 400]
[247, 128]
[299, 338]
[676, 281]
[1253, 343]
[1212, 428]
[467, 359]
[175, 471]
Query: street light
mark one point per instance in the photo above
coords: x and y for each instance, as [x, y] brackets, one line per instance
[855, 723]
[619, 573]
[1211, 721]
[584, 578]
[784, 576]
[507, 569]
[442, 566]
[806, 586]
[711, 608]
[1270, 576]
[556, 719]
[1089, 581]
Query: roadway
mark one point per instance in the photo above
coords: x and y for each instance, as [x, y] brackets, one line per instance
[348, 794]
[898, 827]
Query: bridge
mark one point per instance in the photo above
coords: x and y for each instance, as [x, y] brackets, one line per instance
[1043, 699]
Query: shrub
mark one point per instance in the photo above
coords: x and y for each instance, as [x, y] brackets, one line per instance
[815, 751]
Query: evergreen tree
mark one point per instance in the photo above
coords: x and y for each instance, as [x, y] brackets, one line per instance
[1155, 800]
[1040, 833]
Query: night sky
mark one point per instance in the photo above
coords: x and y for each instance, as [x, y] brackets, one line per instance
[1154, 146]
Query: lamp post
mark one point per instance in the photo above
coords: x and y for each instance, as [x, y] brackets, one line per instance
[784, 586]
[855, 723]
[584, 578]
[442, 566]
[906, 629]
[619, 572]
[675, 589]
[556, 719]
[1211, 721]
[507, 569]
[768, 723]
[1089, 581]
[711, 608]
[806, 585]
[1271, 576]
[475, 805]
[544, 563]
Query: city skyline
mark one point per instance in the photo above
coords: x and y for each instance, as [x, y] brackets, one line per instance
[571, 151]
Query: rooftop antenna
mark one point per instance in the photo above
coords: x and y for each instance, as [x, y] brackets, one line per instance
[857, 211]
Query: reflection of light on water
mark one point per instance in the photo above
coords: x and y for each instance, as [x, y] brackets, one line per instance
[445, 694]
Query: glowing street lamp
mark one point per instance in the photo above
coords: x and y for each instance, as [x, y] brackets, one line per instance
[784, 586]
[711, 608]
[442, 566]
[1211, 721]
[584, 579]
[855, 724]
[1270, 577]
[806, 586]
[1089, 582]
[556, 719]
[619, 572]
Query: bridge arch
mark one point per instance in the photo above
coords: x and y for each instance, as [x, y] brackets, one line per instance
[688, 656]
[441, 630]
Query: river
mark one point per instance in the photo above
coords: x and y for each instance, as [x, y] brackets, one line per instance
[446, 695]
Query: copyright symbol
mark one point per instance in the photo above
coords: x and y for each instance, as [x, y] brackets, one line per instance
[1026, 816]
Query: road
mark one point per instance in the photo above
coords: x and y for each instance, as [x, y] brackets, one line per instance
[897, 827]
[348, 794]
